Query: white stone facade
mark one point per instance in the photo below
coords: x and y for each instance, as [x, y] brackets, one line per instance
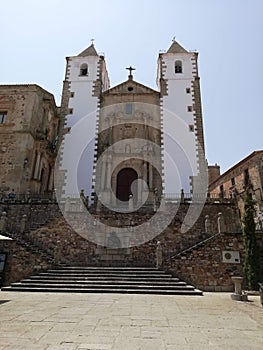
[87, 77]
[180, 144]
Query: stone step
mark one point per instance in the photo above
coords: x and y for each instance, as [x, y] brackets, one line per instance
[104, 280]
[107, 270]
[131, 275]
[103, 290]
[103, 286]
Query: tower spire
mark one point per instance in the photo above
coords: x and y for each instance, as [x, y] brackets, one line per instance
[176, 48]
[90, 51]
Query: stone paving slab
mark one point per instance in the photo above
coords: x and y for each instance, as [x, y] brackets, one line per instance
[58, 321]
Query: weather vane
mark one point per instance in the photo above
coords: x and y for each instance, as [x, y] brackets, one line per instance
[92, 41]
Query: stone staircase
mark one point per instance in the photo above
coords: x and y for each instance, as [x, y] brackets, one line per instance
[133, 280]
[23, 241]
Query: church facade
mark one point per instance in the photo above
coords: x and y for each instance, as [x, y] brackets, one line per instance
[124, 146]
[131, 141]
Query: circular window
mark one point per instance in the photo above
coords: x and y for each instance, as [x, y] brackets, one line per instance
[130, 88]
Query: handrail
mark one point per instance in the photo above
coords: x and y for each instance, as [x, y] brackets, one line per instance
[27, 197]
[194, 246]
[168, 197]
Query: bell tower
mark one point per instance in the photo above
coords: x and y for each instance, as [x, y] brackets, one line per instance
[86, 78]
[181, 114]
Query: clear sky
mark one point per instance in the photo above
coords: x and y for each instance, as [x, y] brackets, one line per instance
[36, 36]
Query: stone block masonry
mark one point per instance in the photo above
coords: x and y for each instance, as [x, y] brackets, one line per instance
[202, 266]
[21, 261]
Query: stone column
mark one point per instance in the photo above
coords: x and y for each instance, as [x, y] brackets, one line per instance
[207, 225]
[110, 135]
[103, 174]
[162, 203]
[145, 175]
[154, 204]
[239, 296]
[36, 171]
[27, 196]
[220, 223]
[3, 222]
[139, 194]
[109, 172]
[182, 196]
[155, 199]
[159, 255]
[67, 204]
[54, 195]
[51, 179]
[23, 224]
[150, 176]
[130, 202]
[57, 253]
[98, 209]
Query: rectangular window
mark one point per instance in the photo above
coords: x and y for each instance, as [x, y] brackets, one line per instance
[3, 116]
[188, 90]
[189, 108]
[128, 108]
[246, 177]
[233, 182]
[191, 128]
[72, 94]
[221, 191]
[70, 111]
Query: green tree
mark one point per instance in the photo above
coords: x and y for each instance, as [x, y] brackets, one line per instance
[251, 266]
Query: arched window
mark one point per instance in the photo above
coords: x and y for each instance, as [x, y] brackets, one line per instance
[83, 69]
[178, 67]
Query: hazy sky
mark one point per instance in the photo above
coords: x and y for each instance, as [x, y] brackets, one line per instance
[36, 36]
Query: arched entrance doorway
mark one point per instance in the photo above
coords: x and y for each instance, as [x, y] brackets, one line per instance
[125, 179]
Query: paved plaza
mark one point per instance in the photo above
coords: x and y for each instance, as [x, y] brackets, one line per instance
[46, 321]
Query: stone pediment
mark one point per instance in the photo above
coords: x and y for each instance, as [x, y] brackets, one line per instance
[131, 87]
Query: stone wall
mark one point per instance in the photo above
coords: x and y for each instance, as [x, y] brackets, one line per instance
[21, 261]
[202, 267]
[37, 214]
[205, 267]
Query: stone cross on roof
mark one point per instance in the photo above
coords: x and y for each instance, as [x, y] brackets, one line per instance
[130, 69]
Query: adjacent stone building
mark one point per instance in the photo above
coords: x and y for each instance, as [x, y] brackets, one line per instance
[246, 173]
[29, 123]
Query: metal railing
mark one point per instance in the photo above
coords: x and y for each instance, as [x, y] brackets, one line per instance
[188, 249]
[153, 200]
